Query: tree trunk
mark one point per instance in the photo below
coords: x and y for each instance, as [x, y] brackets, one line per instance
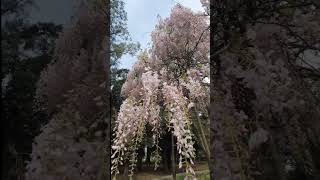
[139, 158]
[277, 160]
[105, 170]
[173, 159]
[202, 135]
[148, 162]
[166, 159]
[126, 171]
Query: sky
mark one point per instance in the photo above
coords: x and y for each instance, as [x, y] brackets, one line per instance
[142, 18]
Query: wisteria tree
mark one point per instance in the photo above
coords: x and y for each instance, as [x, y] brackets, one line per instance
[26, 48]
[264, 91]
[168, 85]
[72, 90]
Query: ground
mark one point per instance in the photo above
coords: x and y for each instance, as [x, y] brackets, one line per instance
[201, 169]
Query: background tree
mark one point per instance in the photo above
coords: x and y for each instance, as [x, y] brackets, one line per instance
[26, 49]
[72, 90]
[260, 91]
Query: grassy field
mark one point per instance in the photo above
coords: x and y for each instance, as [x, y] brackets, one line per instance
[201, 175]
[201, 169]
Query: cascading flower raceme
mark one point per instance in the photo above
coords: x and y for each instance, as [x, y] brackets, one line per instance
[196, 82]
[151, 82]
[127, 128]
[177, 104]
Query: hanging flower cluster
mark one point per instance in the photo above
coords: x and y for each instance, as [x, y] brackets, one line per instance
[71, 145]
[151, 82]
[134, 116]
[177, 105]
[126, 130]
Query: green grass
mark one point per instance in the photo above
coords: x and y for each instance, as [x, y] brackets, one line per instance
[201, 175]
[201, 170]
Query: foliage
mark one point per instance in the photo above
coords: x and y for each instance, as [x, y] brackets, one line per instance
[120, 38]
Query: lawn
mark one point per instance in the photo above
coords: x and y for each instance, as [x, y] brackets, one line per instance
[201, 169]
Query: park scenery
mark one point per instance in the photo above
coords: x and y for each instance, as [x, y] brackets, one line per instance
[224, 90]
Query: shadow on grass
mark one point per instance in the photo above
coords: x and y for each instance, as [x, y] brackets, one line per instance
[201, 175]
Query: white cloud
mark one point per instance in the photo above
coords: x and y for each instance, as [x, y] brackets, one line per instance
[195, 5]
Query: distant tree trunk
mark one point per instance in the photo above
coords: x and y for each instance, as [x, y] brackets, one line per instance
[277, 160]
[126, 171]
[166, 159]
[106, 5]
[105, 173]
[148, 161]
[4, 161]
[200, 130]
[140, 156]
[173, 158]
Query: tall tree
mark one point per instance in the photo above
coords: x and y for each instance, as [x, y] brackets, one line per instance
[166, 86]
[26, 49]
[72, 90]
[260, 92]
